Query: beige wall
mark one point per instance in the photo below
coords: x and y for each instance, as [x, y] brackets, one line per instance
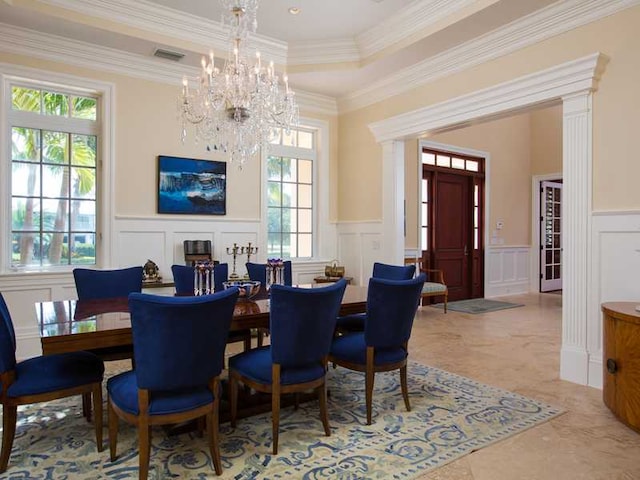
[615, 118]
[546, 141]
[146, 125]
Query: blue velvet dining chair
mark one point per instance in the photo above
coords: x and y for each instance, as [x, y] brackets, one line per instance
[356, 321]
[103, 284]
[183, 277]
[96, 284]
[302, 321]
[382, 347]
[179, 345]
[41, 379]
[258, 271]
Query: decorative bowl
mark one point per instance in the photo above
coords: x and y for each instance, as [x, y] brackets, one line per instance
[248, 288]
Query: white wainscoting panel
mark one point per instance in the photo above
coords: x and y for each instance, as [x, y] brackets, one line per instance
[21, 292]
[507, 270]
[136, 247]
[359, 246]
[161, 240]
[615, 272]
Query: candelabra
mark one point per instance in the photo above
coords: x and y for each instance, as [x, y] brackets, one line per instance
[235, 251]
[249, 250]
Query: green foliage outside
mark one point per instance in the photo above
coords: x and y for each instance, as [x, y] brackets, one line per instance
[61, 152]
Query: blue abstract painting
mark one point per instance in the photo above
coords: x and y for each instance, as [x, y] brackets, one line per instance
[191, 186]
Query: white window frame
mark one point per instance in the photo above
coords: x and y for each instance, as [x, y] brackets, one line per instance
[105, 92]
[322, 241]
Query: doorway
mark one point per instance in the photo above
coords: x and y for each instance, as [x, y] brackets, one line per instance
[551, 236]
[452, 212]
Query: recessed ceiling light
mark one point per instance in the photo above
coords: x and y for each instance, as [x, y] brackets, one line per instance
[294, 10]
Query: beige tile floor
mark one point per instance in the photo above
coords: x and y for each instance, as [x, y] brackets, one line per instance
[519, 350]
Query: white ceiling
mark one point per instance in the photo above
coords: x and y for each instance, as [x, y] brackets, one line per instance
[334, 47]
[317, 20]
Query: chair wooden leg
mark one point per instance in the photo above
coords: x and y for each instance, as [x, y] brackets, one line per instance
[233, 398]
[213, 426]
[144, 447]
[369, 380]
[445, 302]
[275, 405]
[97, 408]
[403, 386]
[260, 337]
[214, 445]
[324, 414]
[247, 341]
[9, 419]
[86, 406]
[113, 430]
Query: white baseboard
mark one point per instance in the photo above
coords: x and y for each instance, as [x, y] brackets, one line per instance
[595, 370]
[574, 365]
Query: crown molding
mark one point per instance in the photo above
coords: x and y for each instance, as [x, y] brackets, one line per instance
[553, 20]
[564, 80]
[22, 41]
[328, 51]
[161, 20]
[413, 18]
[316, 103]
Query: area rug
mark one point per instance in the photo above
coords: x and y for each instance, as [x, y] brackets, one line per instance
[477, 305]
[451, 416]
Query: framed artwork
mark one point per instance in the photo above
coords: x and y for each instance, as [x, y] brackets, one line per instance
[191, 186]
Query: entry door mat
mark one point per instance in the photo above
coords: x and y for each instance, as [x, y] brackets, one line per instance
[451, 416]
[477, 305]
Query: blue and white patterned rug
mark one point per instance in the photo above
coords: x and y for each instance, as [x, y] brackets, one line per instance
[451, 416]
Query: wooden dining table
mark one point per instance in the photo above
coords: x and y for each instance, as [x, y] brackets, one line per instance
[105, 324]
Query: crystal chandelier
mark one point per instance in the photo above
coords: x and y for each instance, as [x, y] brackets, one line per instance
[239, 109]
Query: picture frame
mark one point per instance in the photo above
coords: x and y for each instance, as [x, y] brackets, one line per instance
[191, 186]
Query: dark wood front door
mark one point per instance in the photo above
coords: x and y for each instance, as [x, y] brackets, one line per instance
[452, 233]
[453, 213]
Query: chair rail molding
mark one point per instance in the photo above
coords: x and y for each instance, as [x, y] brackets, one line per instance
[572, 83]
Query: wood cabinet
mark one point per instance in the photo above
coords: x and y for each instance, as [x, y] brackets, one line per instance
[621, 361]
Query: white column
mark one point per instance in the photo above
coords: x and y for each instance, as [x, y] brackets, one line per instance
[576, 215]
[393, 202]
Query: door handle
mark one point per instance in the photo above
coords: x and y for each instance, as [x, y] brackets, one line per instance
[466, 251]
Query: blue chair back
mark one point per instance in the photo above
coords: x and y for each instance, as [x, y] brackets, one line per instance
[184, 281]
[258, 272]
[393, 272]
[391, 308]
[179, 342]
[302, 322]
[7, 339]
[95, 284]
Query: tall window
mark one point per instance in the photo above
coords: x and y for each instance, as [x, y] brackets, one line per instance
[290, 194]
[54, 144]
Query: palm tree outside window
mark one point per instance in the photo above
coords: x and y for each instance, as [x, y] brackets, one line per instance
[290, 194]
[54, 145]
